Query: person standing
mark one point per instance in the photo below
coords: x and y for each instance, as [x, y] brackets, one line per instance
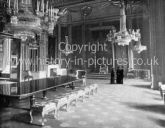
[118, 76]
[121, 75]
[112, 76]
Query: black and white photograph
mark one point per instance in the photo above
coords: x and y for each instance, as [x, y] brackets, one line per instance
[82, 63]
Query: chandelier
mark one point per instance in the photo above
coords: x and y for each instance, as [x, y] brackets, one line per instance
[123, 37]
[49, 14]
[22, 15]
[45, 16]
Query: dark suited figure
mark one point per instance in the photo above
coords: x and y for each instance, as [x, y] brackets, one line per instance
[121, 74]
[112, 76]
[118, 77]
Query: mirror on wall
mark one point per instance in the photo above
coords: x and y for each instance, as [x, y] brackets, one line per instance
[5, 57]
[15, 56]
[9, 58]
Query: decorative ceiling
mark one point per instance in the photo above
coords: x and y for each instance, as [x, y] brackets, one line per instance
[61, 3]
[96, 10]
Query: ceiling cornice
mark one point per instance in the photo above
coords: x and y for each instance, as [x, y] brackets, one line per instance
[80, 3]
[102, 19]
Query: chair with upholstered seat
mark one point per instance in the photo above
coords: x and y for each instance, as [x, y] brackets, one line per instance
[42, 107]
[80, 95]
[93, 89]
[72, 97]
[61, 102]
[162, 90]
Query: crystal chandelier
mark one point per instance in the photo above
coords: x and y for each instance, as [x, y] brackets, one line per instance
[124, 37]
[24, 24]
[45, 16]
[49, 14]
[22, 15]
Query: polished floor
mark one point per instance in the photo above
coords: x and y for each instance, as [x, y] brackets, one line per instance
[131, 105]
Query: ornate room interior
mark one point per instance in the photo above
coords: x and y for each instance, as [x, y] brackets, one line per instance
[67, 49]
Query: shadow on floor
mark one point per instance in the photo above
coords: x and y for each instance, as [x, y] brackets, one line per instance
[159, 99]
[24, 118]
[159, 122]
[150, 108]
[153, 93]
[142, 86]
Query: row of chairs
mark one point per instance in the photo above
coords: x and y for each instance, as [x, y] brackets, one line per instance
[63, 100]
[162, 90]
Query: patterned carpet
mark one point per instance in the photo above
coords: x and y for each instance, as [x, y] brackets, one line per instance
[132, 105]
